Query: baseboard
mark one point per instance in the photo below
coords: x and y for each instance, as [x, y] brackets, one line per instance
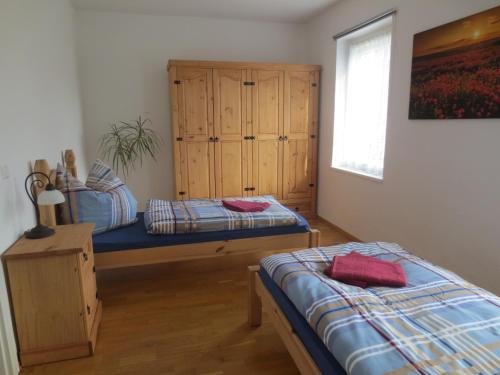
[338, 229]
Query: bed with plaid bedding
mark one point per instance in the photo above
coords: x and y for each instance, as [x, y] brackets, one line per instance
[439, 323]
[209, 215]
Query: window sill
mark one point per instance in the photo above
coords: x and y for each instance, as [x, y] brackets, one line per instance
[358, 174]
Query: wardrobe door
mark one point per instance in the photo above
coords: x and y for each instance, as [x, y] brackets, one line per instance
[267, 128]
[230, 132]
[194, 118]
[298, 135]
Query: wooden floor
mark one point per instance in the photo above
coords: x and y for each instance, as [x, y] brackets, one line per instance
[182, 318]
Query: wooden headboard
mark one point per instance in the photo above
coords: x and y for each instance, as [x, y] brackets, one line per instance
[48, 213]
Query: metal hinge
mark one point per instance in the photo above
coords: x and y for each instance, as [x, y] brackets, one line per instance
[177, 82]
[249, 83]
[178, 139]
[182, 192]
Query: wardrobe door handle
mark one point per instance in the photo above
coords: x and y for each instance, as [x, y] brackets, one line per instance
[88, 309]
[280, 138]
[285, 138]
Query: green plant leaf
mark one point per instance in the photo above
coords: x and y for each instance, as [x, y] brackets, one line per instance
[129, 142]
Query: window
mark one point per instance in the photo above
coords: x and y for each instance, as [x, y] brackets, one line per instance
[361, 96]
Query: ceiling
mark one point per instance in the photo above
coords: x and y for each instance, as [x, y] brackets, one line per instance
[293, 11]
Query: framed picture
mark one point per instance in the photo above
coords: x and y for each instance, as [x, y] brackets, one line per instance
[455, 70]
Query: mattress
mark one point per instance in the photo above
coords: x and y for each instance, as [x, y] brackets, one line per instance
[325, 361]
[135, 236]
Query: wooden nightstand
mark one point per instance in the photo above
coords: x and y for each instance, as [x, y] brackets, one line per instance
[54, 295]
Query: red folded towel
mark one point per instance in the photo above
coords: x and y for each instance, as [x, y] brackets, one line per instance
[363, 271]
[245, 206]
[328, 272]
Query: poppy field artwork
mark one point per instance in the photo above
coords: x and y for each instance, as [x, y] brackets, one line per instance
[456, 69]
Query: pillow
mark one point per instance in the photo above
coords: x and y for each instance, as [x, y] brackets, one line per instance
[102, 178]
[103, 199]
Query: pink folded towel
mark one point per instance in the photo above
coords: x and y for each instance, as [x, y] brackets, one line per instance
[363, 271]
[245, 206]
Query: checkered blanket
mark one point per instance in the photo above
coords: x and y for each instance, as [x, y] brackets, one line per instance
[438, 324]
[209, 215]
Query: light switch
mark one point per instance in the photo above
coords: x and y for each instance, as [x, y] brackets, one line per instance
[4, 171]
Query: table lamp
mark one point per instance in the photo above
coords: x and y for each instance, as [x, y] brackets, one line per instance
[47, 197]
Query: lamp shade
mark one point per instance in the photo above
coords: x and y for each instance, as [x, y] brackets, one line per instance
[50, 197]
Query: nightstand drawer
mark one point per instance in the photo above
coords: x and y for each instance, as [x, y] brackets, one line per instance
[90, 298]
[89, 285]
[88, 259]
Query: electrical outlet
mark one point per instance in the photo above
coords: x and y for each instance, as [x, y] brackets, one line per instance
[4, 171]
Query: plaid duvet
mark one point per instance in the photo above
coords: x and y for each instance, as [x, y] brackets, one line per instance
[209, 215]
[438, 324]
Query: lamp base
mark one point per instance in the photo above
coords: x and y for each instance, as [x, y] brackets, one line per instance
[40, 231]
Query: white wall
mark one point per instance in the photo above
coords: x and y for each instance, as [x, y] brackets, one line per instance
[40, 116]
[123, 59]
[441, 191]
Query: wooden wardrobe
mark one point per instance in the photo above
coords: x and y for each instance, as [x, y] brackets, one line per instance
[245, 129]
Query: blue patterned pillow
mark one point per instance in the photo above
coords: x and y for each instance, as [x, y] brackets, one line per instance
[102, 178]
[103, 199]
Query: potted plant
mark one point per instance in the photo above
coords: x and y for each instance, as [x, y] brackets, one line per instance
[128, 142]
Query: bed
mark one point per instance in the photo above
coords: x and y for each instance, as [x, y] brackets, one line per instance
[133, 246]
[439, 323]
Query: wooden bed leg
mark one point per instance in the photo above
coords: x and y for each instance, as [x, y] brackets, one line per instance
[314, 238]
[254, 302]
